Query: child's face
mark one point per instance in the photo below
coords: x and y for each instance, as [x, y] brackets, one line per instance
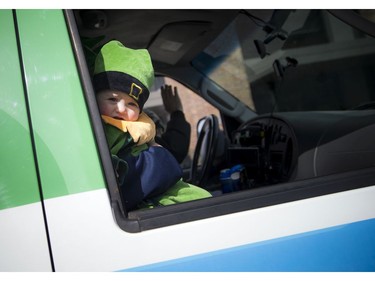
[117, 105]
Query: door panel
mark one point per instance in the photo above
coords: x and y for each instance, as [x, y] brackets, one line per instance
[65, 147]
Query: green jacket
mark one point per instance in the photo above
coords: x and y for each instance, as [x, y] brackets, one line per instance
[142, 182]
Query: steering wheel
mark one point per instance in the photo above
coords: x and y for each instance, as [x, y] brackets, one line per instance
[205, 150]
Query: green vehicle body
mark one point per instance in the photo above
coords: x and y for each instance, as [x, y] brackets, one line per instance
[43, 85]
[61, 208]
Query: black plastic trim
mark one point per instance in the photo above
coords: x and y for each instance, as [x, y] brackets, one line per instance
[97, 126]
[252, 199]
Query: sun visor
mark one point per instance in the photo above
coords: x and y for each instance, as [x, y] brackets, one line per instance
[175, 40]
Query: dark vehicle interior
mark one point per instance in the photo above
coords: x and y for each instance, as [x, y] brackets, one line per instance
[155, 30]
[301, 107]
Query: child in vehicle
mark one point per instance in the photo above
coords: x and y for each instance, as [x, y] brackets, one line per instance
[148, 174]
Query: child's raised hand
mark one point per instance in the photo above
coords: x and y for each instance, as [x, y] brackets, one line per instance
[171, 99]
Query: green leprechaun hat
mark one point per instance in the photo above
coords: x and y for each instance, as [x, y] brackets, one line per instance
[123, 69]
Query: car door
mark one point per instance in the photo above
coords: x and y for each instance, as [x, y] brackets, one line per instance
[294, 226]
[275, 229]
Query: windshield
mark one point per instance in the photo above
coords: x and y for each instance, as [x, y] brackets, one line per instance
[300, 60]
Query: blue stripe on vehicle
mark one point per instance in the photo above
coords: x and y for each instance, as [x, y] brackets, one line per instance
[349, 247]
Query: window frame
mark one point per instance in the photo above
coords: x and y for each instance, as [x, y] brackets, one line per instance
[142, 220]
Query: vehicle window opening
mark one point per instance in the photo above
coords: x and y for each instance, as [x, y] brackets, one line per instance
[298, 82]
